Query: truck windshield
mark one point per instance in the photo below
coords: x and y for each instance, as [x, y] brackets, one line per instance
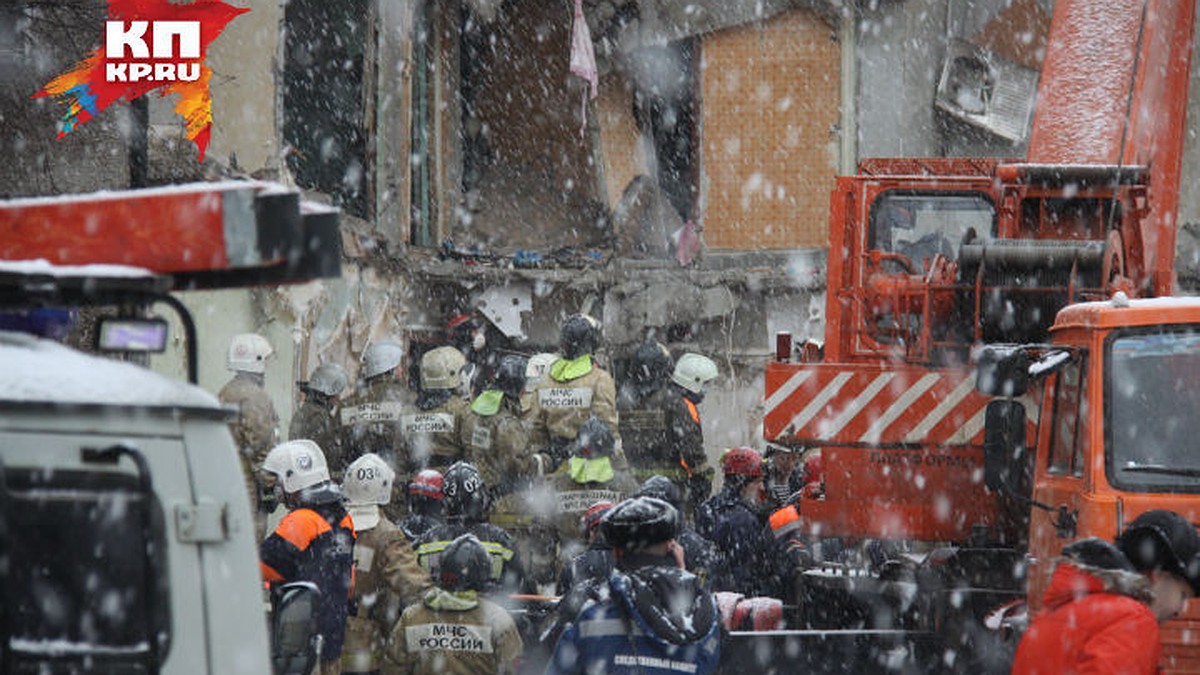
[921, 225]
[1151, 399]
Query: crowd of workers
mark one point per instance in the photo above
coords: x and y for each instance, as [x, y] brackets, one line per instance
[424, 516]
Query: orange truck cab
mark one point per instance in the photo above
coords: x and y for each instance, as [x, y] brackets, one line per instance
[1115, 434]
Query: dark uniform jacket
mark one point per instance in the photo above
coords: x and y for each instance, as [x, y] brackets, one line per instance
[315, 543]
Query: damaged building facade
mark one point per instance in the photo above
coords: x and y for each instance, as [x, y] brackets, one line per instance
[663, 165]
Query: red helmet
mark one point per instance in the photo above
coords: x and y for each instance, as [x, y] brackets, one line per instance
[742, 462]
[591, 518]
[427, 483]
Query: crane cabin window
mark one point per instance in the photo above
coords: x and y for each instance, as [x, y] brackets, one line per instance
[1151, 398]
[1070, 408]
[922, 225]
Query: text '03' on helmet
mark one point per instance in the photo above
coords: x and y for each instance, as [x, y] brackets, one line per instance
[1163, 540]
[510, 375]
[742, 462]
[248, 353]
[639, 522]
[440, 368]
[329, 379]
[381, 357]
[426, 484]
[465, 565]
[297, 464]
[594, 439]
[463, 492]
[368, 480]
[580, 335]
[693, 371]
[651, 363]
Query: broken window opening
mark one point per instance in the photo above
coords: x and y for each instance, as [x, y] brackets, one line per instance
[323, 99]
[666, 114]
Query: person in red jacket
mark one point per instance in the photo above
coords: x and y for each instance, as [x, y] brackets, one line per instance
[1104, 603]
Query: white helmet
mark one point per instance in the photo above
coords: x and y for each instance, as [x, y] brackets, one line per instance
[298, 464]
[693, 371]
[381, 357]
[248, 353]
[537, 367]
[368, 480]
[440, 368]
[329, 379]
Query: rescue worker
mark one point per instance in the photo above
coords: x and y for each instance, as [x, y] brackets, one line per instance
[371, 416]
[647, 410]
[387, 577]
[783, 477]
[689, 380]
[589, 475]
[731, 520]
[596, 561]
[584, 575]
[466, 502]
[256, 428]
[469, 333]
[697, 551]
[497, 442]
[575, 389]
[651, 617]
[1102, 610]
[314, 542]
[317, 418]
[453, 630]
[432, 428]
[424, 505]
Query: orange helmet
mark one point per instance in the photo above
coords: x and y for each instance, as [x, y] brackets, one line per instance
[742, 462]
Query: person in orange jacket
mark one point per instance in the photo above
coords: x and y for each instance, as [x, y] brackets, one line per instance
[1104, 603]
[314, 542]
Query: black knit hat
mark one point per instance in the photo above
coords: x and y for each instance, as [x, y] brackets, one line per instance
[1163, 540]
[640, 522]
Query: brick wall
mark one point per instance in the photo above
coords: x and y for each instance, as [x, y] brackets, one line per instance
[770, 96]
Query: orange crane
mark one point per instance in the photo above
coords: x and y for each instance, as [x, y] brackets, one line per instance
[931, 260]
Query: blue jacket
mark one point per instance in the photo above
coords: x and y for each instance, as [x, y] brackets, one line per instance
[651, 618]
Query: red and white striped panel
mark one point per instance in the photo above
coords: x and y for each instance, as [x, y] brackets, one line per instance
[848, 404]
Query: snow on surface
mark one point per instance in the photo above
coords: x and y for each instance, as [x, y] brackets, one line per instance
[181, 189]
[43, 266]
[37, 370]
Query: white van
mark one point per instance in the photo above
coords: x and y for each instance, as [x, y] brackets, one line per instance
[126, 540]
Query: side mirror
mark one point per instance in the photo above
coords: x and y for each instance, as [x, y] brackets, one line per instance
[295, 642]
[1003, 443]
[1002, 370]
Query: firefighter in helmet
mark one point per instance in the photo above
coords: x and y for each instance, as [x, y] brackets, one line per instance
[453, 629]
[371, 416]
[256, 428]
[425, 510]
[689, 382]
[315, 540]
[465, 499]
[732, 520]
[588, 476]
[575, 389]
[432, 427]
[497, 441]
[387, 577]
[317, 418]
